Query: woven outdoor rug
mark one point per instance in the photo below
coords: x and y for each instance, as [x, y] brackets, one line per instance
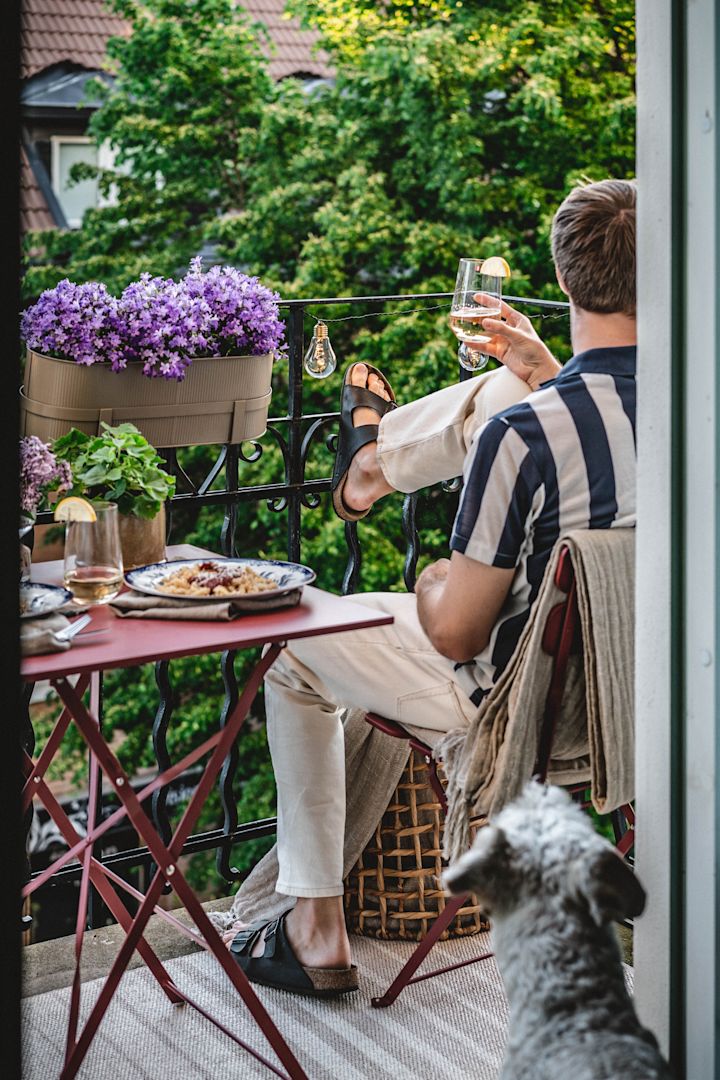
[453, 1025]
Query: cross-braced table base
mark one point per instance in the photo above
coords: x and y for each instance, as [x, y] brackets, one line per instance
[166, 856]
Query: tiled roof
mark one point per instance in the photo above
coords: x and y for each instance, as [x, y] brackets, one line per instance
[294, 51]
[58, 31]
[76, 31]
[34, 212]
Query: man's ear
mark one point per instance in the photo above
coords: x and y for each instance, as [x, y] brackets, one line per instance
[609, 886]
[561, 282]
[477, 870]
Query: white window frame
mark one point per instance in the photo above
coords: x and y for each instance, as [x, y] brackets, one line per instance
[56, 142]
[105, 160]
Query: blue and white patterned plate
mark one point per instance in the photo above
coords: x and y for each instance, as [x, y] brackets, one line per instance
[37, 599]
[287, 576]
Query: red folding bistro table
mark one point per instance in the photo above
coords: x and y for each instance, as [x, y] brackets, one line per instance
[137, 641]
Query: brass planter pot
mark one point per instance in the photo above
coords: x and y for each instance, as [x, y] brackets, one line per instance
[222, 399]
[142, 541]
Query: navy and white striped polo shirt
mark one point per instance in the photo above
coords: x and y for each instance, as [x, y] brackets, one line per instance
[562, 459]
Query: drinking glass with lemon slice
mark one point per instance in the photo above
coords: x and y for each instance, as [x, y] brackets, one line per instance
[93, 559]
[478, 295]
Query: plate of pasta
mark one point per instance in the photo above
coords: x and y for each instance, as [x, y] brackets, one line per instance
[218, 578]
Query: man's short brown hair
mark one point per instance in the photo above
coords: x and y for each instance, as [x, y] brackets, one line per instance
[593, 245]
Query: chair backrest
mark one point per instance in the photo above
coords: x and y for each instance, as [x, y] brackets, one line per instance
[559, 637]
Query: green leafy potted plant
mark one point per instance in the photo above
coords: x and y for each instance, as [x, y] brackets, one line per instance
[121, 466]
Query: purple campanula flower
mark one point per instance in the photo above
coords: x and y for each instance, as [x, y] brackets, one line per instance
[73, 322]
[162, 323]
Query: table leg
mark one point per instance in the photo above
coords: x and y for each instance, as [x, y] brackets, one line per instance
[95, 913]
[166, 857]
[98, 876]
[81, 918]
[116, 816]
[27, 743]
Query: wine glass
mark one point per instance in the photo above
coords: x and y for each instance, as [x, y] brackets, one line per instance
[93, 559]
[477, 296]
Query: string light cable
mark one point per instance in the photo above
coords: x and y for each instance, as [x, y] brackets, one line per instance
[320, 359]
[542, 315]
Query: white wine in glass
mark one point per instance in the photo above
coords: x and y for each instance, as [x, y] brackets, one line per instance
[477, 296]
[93, 559]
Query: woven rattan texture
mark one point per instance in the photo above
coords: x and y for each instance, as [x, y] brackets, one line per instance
[393, 891]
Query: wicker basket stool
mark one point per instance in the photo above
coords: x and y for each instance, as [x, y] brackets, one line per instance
[394, 891]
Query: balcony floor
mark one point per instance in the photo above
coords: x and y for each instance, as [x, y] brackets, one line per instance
[450, 1026]
[453, 1025]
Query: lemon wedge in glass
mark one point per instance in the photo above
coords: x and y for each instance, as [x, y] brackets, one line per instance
[74, 509]
[495, 266]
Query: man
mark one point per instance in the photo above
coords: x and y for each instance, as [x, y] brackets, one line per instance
[562, 457]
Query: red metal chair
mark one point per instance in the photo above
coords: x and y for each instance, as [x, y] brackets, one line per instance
[560, 638]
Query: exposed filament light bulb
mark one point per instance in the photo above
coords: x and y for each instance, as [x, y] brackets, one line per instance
[320, 359]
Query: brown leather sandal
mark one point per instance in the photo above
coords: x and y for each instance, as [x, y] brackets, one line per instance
[351, 438]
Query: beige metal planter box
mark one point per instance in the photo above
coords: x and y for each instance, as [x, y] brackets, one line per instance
[222, 399]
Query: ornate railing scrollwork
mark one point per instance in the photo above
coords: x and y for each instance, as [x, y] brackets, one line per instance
[227, 773]
[412, 551]
[215, 471]
[257, 452]
[352, 567]
[162, 719]
[317, 425]
[183, 481]
[227, 533]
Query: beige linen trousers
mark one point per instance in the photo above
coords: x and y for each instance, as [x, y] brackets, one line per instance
[392, 670]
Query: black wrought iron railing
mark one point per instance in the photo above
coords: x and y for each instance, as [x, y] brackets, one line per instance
[295, 434]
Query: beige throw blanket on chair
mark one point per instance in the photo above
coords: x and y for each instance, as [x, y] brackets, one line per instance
[488, 763]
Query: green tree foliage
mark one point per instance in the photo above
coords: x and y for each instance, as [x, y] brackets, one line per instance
[451, 129]
[183, 117]
[448, 126]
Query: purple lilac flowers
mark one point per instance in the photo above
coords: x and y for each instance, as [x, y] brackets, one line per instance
[158, 321]
[39, 470]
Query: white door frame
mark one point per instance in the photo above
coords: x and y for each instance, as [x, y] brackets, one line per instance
[676, 941]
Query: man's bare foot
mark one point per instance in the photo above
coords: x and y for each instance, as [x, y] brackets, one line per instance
[316, 931]
[365, 482]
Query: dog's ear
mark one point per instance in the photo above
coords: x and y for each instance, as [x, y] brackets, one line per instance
[609, 885]
[480, 868]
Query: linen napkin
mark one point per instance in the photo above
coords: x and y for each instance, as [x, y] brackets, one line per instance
[134, 605]
[38, 636]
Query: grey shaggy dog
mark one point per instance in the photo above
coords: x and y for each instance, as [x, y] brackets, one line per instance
[552, 887]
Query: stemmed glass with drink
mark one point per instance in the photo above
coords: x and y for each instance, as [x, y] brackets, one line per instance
[478, 295]
[93, 558]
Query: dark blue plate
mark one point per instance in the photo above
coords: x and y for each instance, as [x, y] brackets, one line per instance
[37, 599]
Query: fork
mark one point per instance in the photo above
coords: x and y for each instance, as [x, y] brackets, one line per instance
[70, 631]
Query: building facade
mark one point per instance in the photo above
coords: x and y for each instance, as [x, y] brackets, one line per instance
[63, 49]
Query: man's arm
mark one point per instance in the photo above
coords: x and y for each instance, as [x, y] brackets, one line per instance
[458, 602]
